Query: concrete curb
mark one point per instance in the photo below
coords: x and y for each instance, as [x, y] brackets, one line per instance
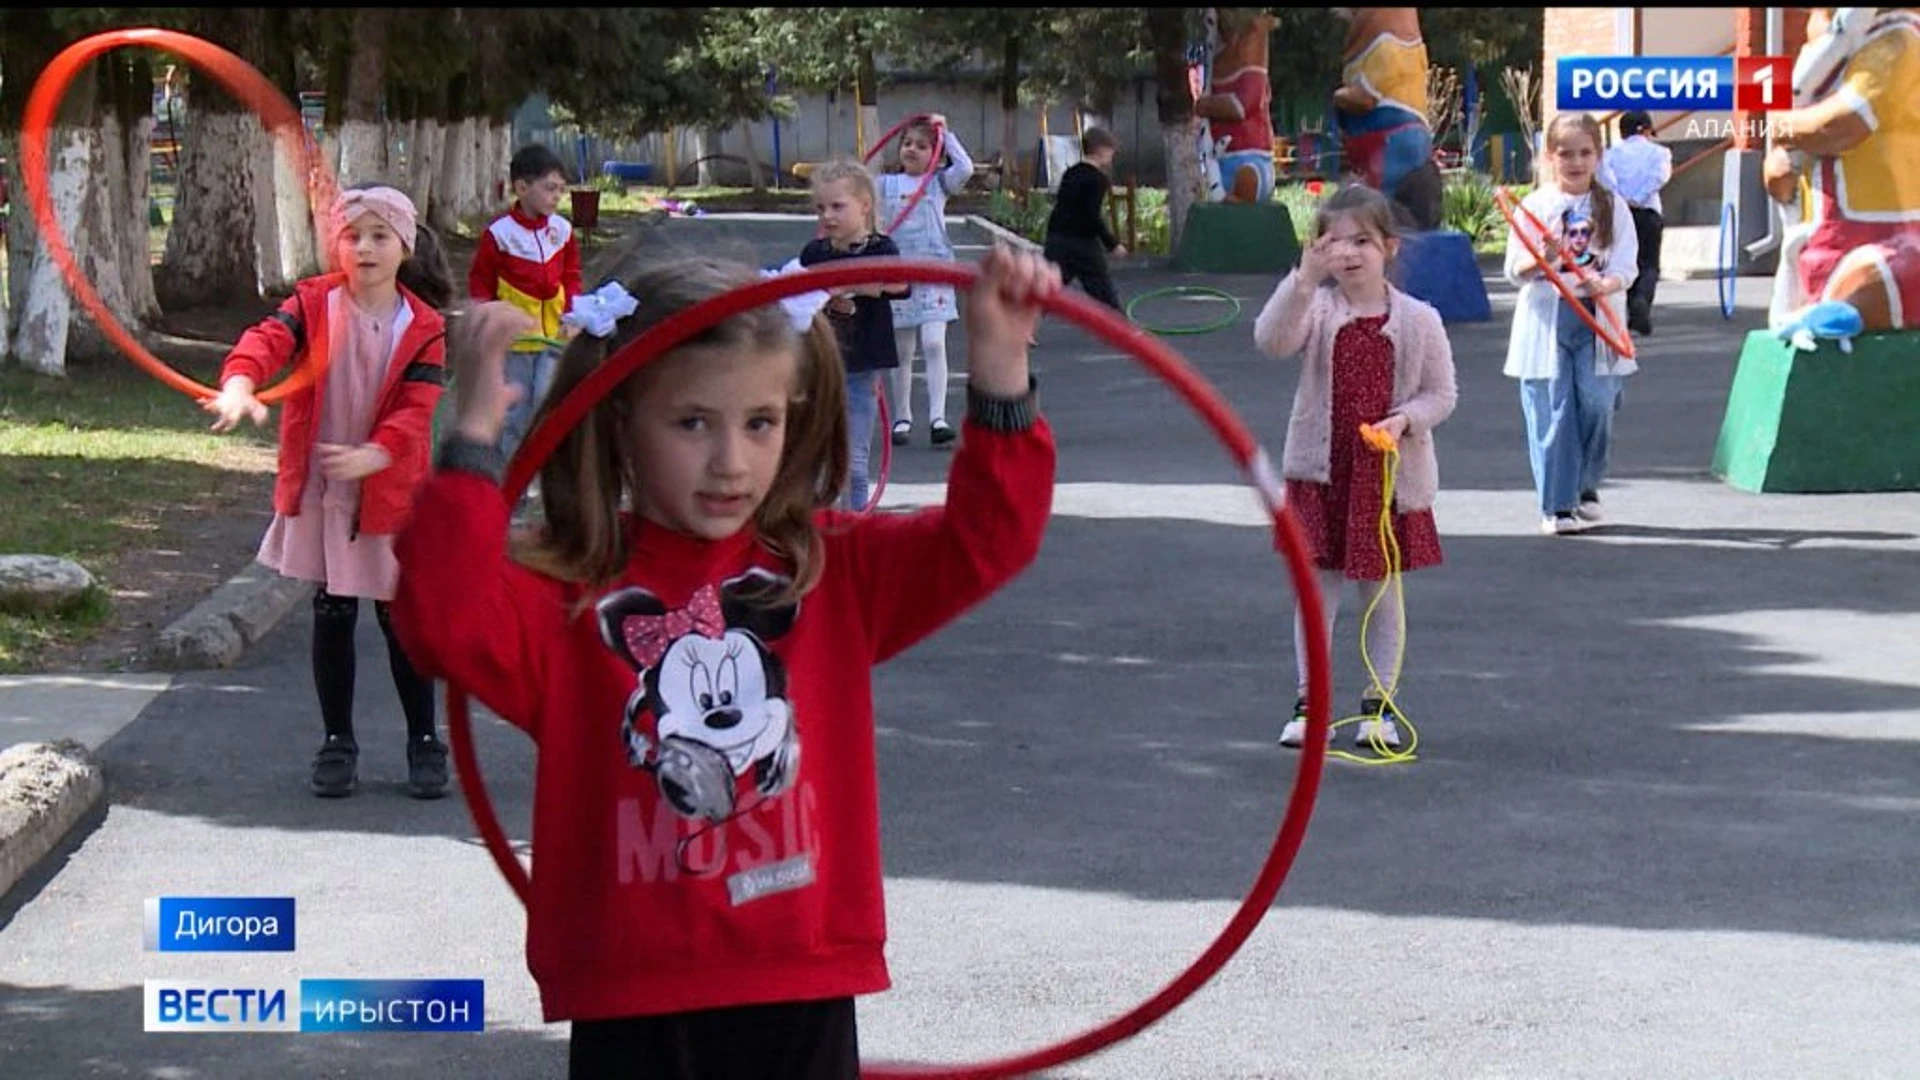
[45, 789]
[232, 619]
[1001, 232]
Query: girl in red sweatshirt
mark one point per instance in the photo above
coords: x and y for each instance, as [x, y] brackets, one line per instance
[354, 448]
[689, 639]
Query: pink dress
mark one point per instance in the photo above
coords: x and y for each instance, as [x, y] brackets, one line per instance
[318, 544]
[1341, 518]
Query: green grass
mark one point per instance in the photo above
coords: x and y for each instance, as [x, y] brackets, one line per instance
[93, 466]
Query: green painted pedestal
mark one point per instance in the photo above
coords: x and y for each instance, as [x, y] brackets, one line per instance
[1238, 238]
[1823, 421]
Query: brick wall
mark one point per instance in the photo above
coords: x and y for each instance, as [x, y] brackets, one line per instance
[1571, 32]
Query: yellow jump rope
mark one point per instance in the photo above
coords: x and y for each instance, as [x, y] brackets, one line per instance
[1390, 547]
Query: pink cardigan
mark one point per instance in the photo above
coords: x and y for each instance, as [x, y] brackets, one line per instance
[1297, 319]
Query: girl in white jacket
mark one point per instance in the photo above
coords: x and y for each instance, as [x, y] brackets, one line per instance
[1570, 380]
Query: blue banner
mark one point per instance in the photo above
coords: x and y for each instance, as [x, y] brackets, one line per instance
[219, 924]
[377, 1005]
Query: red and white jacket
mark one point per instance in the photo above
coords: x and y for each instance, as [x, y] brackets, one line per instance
[706, 808]
[403, 424]
[532, 263]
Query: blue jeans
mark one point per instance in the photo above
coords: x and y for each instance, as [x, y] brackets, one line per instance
[1569, 419]
[532, 372]
[863, 409]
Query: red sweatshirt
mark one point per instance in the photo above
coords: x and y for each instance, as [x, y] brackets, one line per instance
[531, 262]
[665, 698]
[402, 426]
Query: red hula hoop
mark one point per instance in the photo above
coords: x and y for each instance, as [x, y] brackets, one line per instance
[1199, 395]
[1616, 337]
[238, 78]
[933, 165]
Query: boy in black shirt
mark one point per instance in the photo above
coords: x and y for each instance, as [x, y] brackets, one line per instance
[1078, 239]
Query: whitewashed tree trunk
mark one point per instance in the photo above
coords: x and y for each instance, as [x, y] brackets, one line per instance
[100, 251]
[39, 339]
[423, 152]
[284, 222]
[454, 184]
[475, 202]
[363, 152]
[755, 174]
[501, 190]
[703, 172]
[134, 203]
[211, 252]
[870, 128]
[1185, 181]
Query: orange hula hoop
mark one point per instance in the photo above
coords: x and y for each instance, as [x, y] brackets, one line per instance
[1614, 334]
[238, 78]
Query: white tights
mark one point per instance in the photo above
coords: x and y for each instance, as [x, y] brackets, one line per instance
[1383, 632]
[931, 339]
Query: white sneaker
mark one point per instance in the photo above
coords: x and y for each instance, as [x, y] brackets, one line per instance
[1561, 524]
[1589, 510]
[1387, 731]
[1294, 735]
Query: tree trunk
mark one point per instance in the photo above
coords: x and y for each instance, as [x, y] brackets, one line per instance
[134, 103]
[423, 153]
[866, 94]
[40, 295]
[703, 168]
[1179, 131]
[453, 176]
[1010, 175]
[755, 174]
[103, 200]
[363, 133]
[211, 253]
[28, 42]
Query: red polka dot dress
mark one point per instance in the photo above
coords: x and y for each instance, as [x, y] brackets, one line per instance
[1341, 518]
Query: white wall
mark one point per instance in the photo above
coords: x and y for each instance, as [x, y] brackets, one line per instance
[1688, 32]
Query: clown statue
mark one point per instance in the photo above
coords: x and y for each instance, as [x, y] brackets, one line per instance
[1237, 107]
[1854, 132]
[1381, 109]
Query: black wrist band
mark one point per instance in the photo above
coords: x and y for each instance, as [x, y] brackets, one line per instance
[461, 454]
[1009, 414]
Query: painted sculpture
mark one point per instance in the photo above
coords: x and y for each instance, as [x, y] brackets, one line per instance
[1854, 133]
[1238, 106]
[1381, 110]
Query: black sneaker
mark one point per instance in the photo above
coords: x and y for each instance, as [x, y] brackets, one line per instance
[942, 433]
[426, 768]
[1378, 725]
[334, 768]
[1295, 733]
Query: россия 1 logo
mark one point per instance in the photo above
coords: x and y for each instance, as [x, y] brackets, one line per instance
[1675, 83]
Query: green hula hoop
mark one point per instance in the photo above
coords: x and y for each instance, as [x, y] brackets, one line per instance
[1186, 290]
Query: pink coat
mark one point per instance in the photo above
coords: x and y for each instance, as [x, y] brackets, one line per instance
[1301, 322]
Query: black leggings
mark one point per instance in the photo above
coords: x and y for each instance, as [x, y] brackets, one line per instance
[334, 619]
[803, 1040]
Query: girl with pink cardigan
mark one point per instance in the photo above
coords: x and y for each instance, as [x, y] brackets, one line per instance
[1370, 354]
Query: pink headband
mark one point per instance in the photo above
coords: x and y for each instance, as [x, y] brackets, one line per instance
[388, 204]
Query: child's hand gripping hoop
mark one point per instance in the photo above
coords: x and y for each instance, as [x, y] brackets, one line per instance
[1162, 361]
[933, 163]
[235, 76]
[1613, 334]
